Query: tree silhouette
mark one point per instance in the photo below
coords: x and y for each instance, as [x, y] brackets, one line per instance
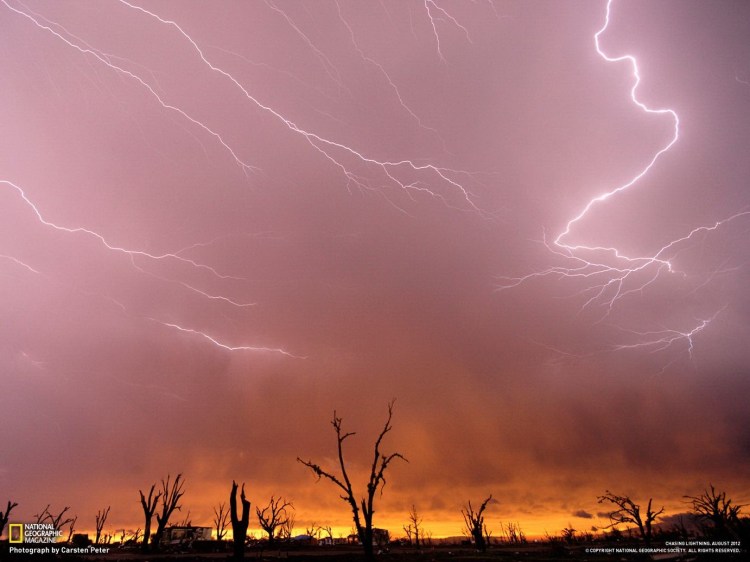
[149, 506]
[714, 508]
[101, 518]
[414, 530]
[170, 497]
[630, 512]
[273, 516]
[362, 513]
[474, 523]
[239, 524]
[513, 533]
[221, 521]
[4, 516]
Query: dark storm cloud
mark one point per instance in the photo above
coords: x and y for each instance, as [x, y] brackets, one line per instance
[375, 289]
[583, 514]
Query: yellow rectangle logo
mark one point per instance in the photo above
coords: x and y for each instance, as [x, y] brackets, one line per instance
[15, 533]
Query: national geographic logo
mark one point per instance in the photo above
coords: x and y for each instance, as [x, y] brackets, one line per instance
[33, 533]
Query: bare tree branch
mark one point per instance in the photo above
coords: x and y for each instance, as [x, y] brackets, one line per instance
[273, 516]
[101, 518]
[474, 523]
[364, 509]
[630, 512]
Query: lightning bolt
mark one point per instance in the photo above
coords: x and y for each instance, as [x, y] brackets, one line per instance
[660, 340]
[19, 262]
[385, 74]
[433, 22]
[395, 172]
[132, 254]
[101, 57]
[610, 280]
[104, 242]
[225, 346]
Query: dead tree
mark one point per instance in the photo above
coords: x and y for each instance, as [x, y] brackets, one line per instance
[474, 524]
[135, 536]
[413, 529]
[170, 497]
[630, 512]
[72, 527]
[186, 521]
[313, 530]
[287, 529]
[512, 533]
[361, 513]
[101, 518]
[329, 531]
[715, 509]
[58, 521]
[4, 516]
[273, 516]
[239, 524]
[221, 521]
[149, 506]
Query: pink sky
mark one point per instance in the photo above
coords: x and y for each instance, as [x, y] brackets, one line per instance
[198, 265]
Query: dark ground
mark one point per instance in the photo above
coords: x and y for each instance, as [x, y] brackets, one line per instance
[542, 552]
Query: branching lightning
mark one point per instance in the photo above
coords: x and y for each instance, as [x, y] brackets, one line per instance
[403, 173]
[429, 6]
[610, 280]
[392, 170]
[101, 57]
[384, 73]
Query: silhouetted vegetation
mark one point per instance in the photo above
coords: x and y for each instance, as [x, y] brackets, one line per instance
[413, 529]
[239, 524]
[512, 533]
[380, 462]
[101, 518]
[274, 516]
[629, 512]
[170, 497]
[718, 517]
[4, 515]
[474, 524]
[58, 521]
[149, 506]
[221, 521]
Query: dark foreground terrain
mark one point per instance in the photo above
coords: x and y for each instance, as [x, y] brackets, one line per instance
[542, 552]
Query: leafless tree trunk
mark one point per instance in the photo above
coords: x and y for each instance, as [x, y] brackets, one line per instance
[4, 516]
[630, 512]
[221, 521]
[272, 517]
[101, 518]
[287, 529]
[512, 533]
[170, 497]
[57, 521]
[72, 528]
[716, 509]
[313, 530]
[474, 523]
[239, 524]
[380, 463]
[149, 506]
[414, 528]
